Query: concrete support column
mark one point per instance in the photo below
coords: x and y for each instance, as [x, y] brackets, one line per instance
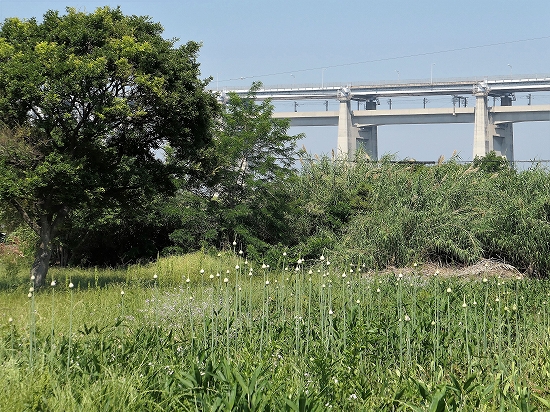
[367, 136]
[350, 137]
[501, 135]
[345, 127]
[367, 140]
[481, 123]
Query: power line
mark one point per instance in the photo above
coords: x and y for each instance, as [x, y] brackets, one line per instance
[407, 56]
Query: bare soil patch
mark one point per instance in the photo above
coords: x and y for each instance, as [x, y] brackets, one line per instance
[483, 268]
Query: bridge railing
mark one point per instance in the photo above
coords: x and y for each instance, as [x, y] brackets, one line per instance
[474, 79]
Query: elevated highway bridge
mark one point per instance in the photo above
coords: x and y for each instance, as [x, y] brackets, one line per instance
[493, 126]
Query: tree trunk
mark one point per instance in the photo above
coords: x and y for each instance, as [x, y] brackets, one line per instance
[43, 253]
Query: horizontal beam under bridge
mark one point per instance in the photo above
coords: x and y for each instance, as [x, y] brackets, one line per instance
[499, 114]
[514, 114]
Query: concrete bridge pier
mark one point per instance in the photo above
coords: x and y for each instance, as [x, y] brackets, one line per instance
[501, 134]
[488, 134]
[345, 127]
[351, 137]
[367, 141]
[481, 122]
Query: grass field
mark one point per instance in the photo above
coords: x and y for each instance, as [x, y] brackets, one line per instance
[204, 332]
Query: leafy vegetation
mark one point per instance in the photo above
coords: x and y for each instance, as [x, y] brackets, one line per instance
[85, 102]
[394, 214]
[84, 113]
[202, 332]
[244, 186]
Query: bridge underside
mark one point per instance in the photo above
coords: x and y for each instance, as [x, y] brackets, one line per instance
[493, 126]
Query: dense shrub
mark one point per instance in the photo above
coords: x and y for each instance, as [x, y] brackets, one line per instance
[393, 214]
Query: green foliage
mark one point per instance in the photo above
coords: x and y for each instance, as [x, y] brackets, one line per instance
[491, 163]
[246, 176]
[86, 101]
[305, 341]
[394, 214]
[16, 254]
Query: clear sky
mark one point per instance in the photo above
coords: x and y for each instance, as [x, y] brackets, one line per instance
[356, 41]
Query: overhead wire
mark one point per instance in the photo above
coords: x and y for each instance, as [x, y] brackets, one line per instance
[407, 56]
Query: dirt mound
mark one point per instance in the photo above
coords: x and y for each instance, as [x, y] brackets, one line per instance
[485, 267]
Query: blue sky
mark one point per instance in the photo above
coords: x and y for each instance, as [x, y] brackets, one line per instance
[290, 42]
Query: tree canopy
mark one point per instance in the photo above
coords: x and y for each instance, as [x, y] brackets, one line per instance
[243, 192]
[86, 102]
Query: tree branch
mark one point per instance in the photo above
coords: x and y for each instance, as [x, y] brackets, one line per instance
[33, 225]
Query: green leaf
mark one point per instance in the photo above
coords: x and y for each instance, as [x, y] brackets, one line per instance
[438, 401]
[424, 392]
[241, 381]
[544, 402]
[469, 380]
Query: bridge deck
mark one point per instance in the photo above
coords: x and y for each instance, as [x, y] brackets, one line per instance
[496, 87]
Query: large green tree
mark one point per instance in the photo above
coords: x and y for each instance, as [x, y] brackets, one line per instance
[87, 100]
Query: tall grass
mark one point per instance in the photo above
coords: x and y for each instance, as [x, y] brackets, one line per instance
[353, 342]
[388, 214]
